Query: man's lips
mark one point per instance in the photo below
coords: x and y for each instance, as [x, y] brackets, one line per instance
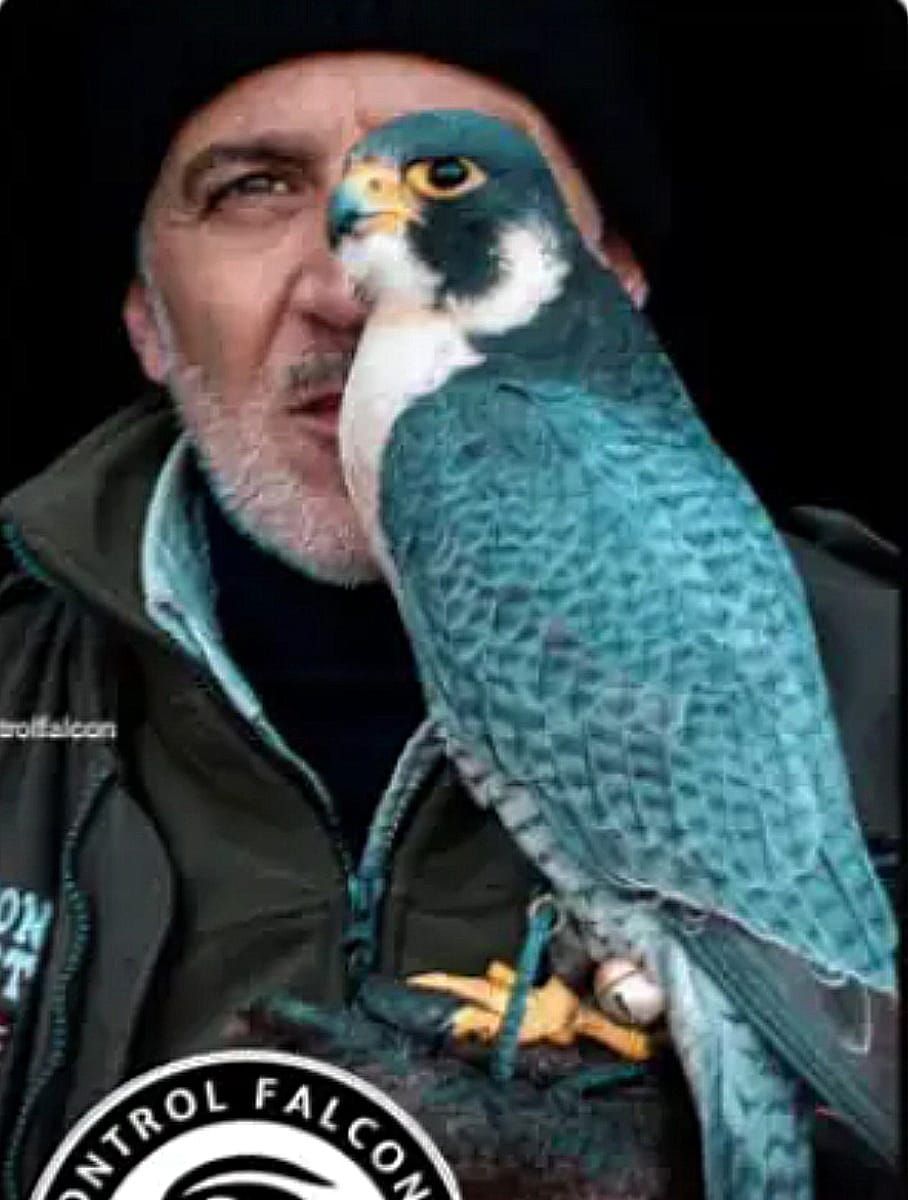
[323, 402]
[315, 386]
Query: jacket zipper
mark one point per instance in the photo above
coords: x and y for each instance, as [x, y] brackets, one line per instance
[364, 884]
[77, 906]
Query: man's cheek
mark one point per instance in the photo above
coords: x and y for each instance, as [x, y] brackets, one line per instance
[223, 342]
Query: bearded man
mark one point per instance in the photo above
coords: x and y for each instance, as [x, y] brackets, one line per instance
[193, 571]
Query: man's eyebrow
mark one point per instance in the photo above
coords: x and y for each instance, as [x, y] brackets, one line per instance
[295, 151]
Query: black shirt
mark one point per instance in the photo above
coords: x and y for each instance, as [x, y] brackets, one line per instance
[330, 663]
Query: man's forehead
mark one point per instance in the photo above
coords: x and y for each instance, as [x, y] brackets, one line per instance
[336, 98]
[329, 101]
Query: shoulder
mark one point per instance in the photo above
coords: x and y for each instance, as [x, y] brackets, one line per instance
[850, 577]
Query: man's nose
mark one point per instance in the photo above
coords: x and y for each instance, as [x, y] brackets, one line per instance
[323, 291]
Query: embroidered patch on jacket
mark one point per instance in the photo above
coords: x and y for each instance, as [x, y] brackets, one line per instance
[25, 921]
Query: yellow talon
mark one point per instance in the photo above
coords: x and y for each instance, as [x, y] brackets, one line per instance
[500, 973]
[473, 1022]
[480, 992]
[629, 1043]
[553, 1014]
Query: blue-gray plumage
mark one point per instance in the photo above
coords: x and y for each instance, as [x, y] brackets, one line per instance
[611, 636]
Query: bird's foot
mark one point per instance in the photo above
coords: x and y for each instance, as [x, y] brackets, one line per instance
[554, 1014]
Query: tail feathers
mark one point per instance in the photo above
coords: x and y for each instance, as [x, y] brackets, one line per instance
[756, 1134]
[841, 1040]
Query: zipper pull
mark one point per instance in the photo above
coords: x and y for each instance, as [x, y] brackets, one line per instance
[365, 891]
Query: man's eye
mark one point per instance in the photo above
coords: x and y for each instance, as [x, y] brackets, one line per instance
[257, 183]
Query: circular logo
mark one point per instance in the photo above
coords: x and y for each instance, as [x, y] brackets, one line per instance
[247, 1125]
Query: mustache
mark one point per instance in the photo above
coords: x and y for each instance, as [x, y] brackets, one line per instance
[325, 367]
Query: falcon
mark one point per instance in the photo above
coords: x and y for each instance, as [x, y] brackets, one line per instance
[613, 642]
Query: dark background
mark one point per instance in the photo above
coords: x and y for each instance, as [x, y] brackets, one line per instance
[781, 294]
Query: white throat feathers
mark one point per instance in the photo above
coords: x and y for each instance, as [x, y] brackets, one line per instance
[411, 348]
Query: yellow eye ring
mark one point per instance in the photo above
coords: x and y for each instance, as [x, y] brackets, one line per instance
[444, 178]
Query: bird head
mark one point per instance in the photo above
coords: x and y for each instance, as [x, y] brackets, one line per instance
[453, 210]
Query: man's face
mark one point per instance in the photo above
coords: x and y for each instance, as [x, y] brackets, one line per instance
[244, 313]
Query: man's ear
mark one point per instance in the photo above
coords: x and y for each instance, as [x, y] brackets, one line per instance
[144, 333]
[618, 256]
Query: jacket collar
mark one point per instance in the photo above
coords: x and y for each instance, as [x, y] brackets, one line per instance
[116, 521]
[178, 590]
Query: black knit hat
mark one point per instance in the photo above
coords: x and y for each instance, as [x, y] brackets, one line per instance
[149, 63]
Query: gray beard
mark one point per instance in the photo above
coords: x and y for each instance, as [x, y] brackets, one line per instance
[259, 490]
[255, 485]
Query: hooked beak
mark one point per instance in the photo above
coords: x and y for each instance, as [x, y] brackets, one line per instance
[371, 197]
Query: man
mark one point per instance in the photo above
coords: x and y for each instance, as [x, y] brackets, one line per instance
[203, 583]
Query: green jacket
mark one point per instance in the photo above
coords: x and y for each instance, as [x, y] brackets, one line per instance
[153, 882]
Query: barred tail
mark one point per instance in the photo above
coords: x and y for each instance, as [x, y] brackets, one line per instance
[756, 1134]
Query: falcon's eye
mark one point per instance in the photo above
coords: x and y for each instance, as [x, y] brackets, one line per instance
[444, 178]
